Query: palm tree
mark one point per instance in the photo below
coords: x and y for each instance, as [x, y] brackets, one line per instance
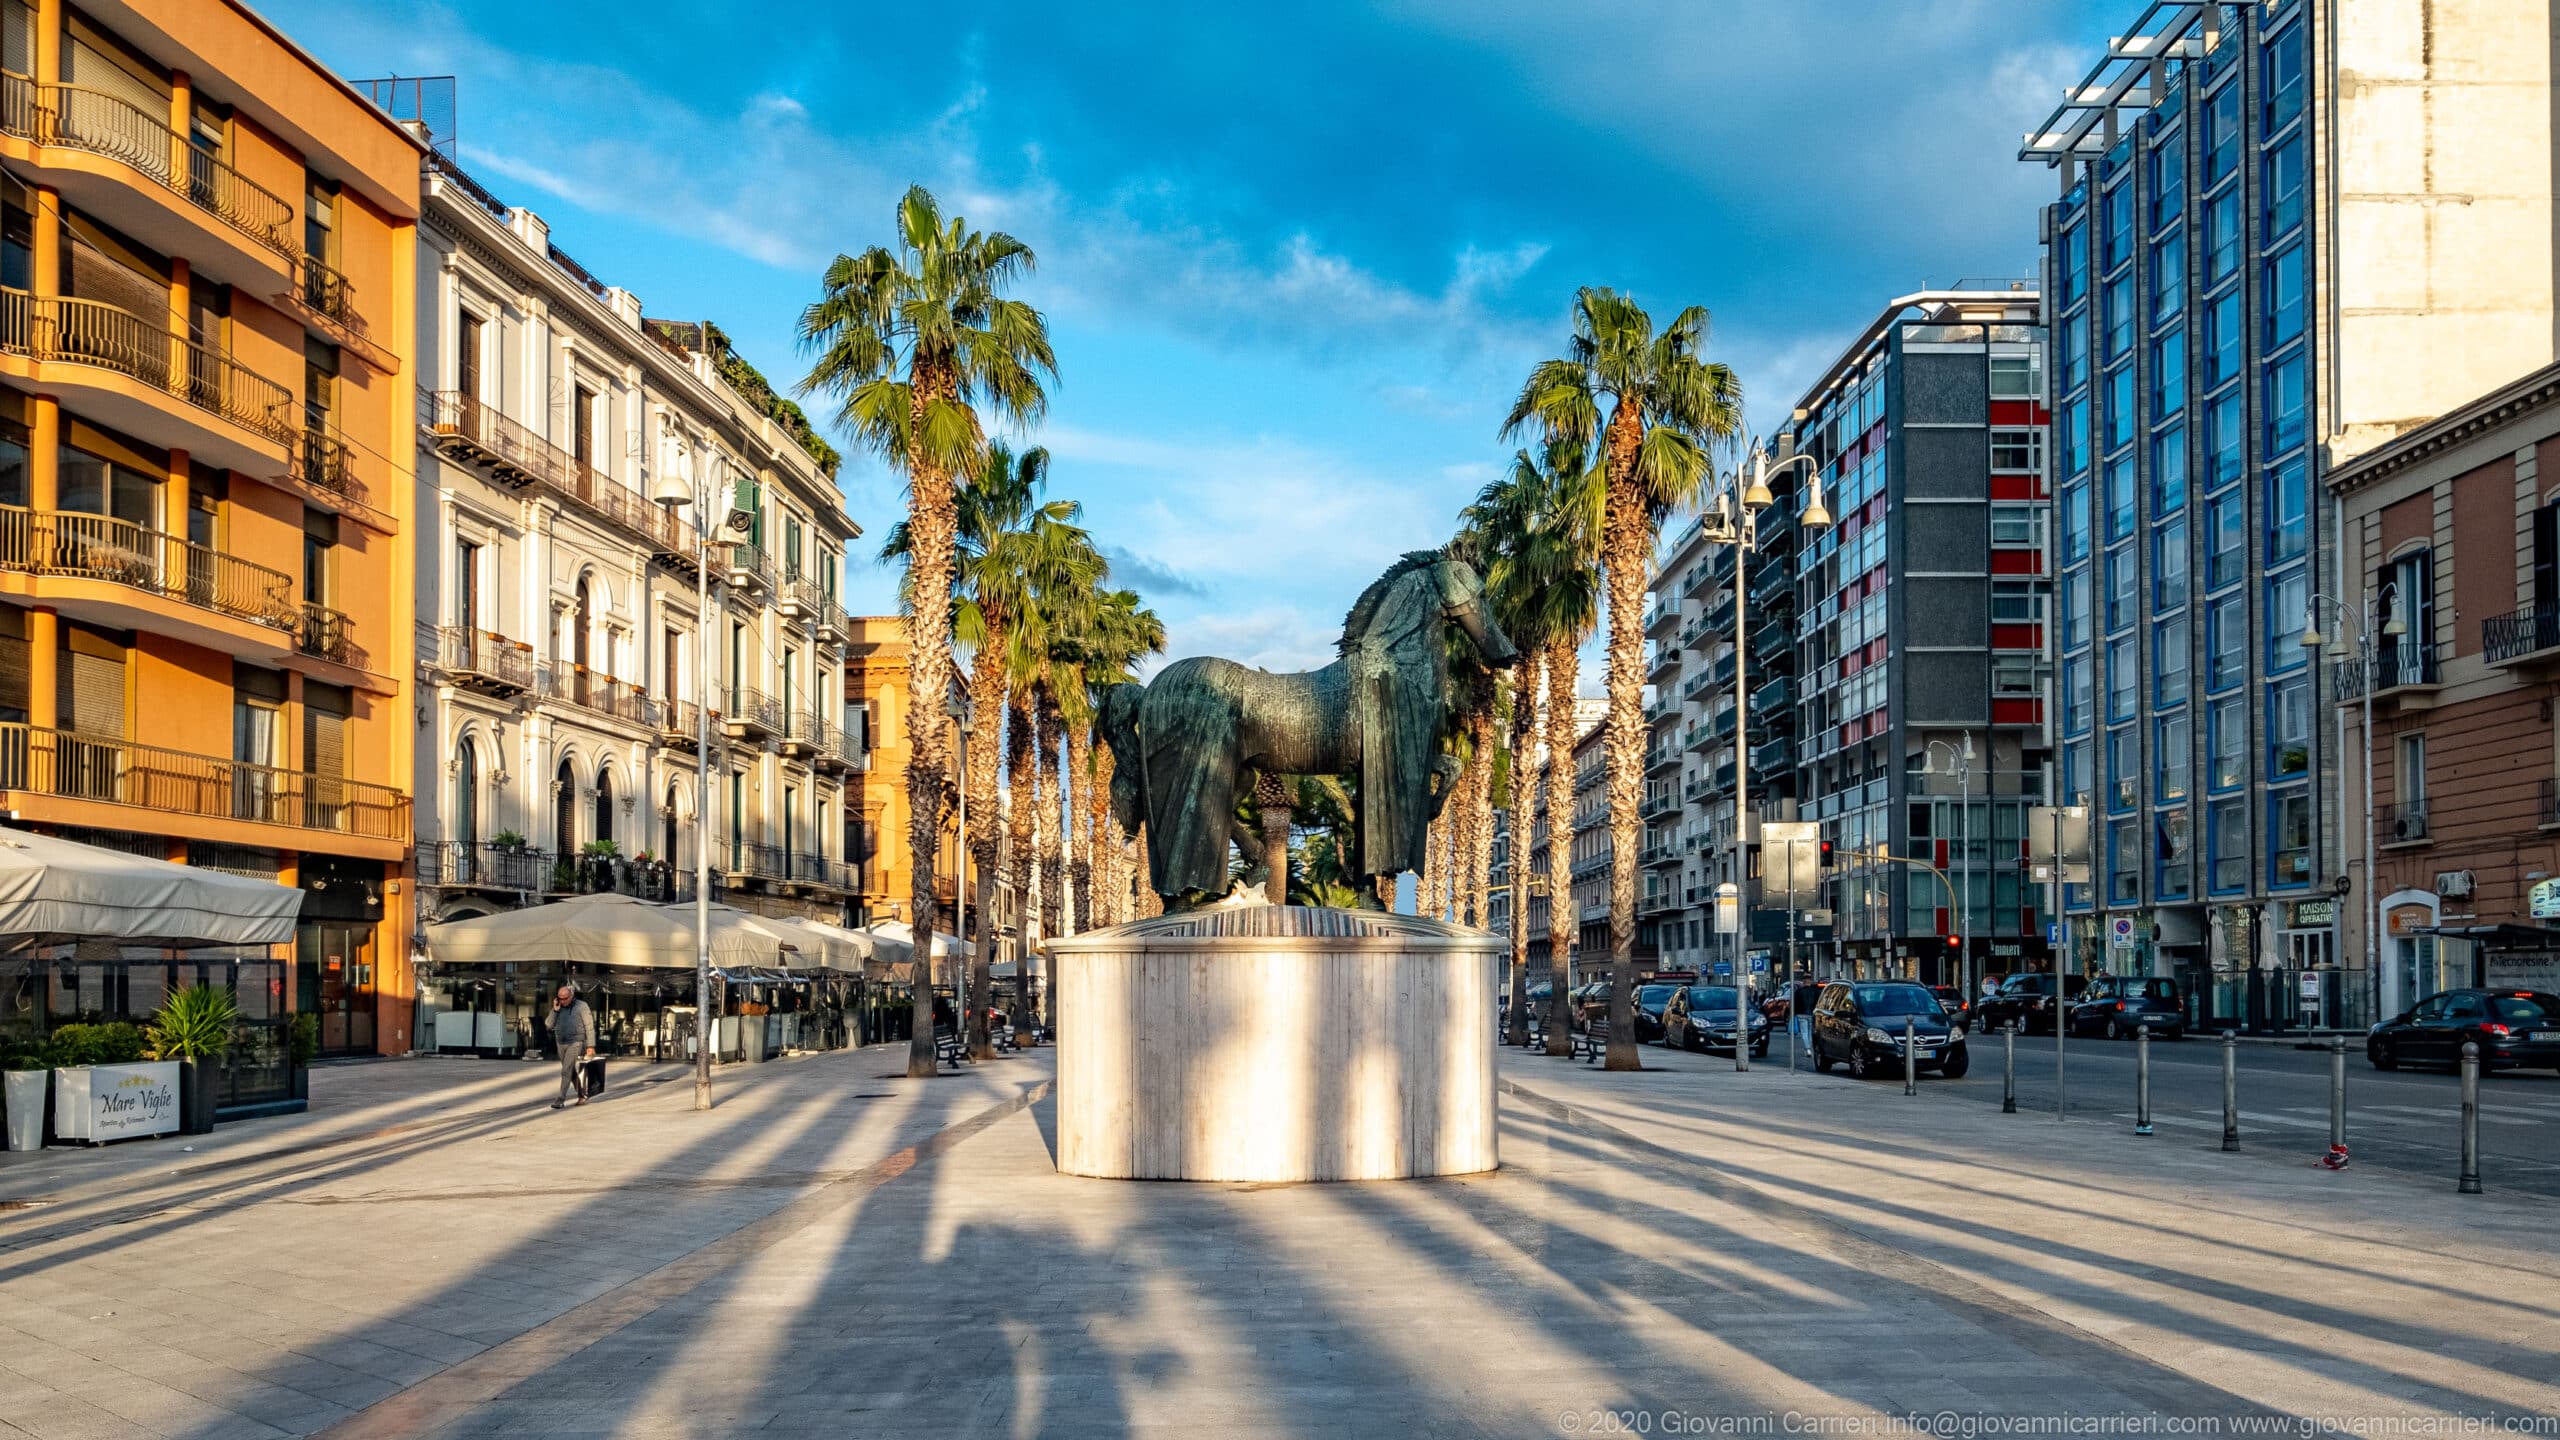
[910, 342]
[1095, 639]
[1664, 404]
[1012, 548]
[1541, 592]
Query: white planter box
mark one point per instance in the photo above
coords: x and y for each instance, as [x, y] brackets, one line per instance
[26, 1108]
[98, 1103]
[454, 1029]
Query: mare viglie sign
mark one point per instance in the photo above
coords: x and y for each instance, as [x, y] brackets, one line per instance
[98, 1103]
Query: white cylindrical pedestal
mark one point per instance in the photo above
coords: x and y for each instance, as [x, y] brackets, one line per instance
[1271, 1043]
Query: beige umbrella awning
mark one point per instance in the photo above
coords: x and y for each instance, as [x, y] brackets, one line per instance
[618, 931]
[55, 891]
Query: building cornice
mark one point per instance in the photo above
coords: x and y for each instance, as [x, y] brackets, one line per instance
[2530, 395]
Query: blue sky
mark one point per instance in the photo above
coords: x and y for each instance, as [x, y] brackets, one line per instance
[1296, 258]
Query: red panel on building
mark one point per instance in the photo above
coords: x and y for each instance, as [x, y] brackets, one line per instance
[2014, 412]
[2017, 637]
[2016, 712]
[2016, 487]
[2017, 562]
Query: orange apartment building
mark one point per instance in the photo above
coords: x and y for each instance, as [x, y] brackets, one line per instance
[207, 401]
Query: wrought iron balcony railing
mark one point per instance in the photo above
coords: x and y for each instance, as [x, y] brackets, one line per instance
[98, 547]
[90, 332]
[99, 123]
[485, 659]
[592, 690]
[2508, 638]
[44, 761]
[328, 634]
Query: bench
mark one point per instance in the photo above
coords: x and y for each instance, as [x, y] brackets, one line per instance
[947, 1047]
[1593, 1042]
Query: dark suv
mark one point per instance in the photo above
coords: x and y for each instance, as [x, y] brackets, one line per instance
[2512, 1028]
[2117, 1005]
[1861, 1025]
[2025, 1001]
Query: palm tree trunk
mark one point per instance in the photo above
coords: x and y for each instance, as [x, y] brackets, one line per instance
[1480, 825]
[1080, 832]
[1426, 893]
[1564, 918]
[986, 697]
[932, 526]
[1022, 777]
[1524, 792]
[1271, 796]
[1045, 824]
[1626, 551]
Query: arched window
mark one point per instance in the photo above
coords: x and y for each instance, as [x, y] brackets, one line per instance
[604, 807]
[667, 821]
[564, 811]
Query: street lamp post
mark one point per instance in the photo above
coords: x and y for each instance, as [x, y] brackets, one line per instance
[1736, 522]
[673, 491]
[1962, 761]
[2393, 627]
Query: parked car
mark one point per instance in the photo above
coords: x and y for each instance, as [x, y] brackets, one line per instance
[1593, 1006]
[2117, 1005]
[2022, 1000]
[1700, 1017]
[1860, 1024]
[1951, 999]
[2513, 1028]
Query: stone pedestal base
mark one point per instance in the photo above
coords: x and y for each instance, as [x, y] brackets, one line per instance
[1272, 1043]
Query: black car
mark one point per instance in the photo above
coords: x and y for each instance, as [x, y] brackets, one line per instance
[2117, 1005]
[1592, 1008]
[2513, 1028]
[1951, 999]
[2025, 1001]
[1860, 1024]
[1700, 1017]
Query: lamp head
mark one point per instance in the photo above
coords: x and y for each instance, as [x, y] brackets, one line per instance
[2393, 627]
[1756, 496]
[2312, 639]
[670, 489]
[1815, 515]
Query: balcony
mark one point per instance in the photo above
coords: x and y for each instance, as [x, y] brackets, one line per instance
[829, 626]
[2404, 823]
[1657, 757]
[746, 865]
[1777, 695]
[324, 300]
[806, 873]
[603, 874]
[799, 601]
[484, 660]
[597, 693]
[747, 713]
[119, 555]
[1665, 612]
[464, 865]
[1773, 589]
[804, 735]
[323, 467]
[749, 569]
[251, 229]
[151, 366]
[1774, 755]
[1658, 802]
[59, 764]
[329, 635]
[2406, 674]
[1666, 658]
[1773, 646]
[677, 723]
[2527, 639]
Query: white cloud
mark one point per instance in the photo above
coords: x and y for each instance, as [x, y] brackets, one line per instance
[1272, 637]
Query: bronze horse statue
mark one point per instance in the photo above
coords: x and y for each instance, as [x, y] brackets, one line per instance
[1182, 742]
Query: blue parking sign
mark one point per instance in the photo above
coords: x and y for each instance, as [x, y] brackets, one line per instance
[1724, 967]
[2053, 932]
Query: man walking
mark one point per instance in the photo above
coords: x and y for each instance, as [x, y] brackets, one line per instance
[573, 1029]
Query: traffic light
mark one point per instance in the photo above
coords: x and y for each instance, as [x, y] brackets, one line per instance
[1955, 944]
[1826, 854]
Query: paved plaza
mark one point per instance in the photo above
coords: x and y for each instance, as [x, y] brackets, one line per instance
[836, 1252]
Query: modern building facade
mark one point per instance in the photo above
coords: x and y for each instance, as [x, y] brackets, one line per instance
[1905, 709]
[562, 698]
[2453, 531]
[207, 378]
[1588, 712]
[2284, 233]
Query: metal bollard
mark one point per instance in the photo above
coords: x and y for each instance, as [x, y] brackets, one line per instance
[2337, 1093]
[2470, 1181]
[1910, 1056]
[2009, 1068]
[2142, 1079]
[2230, 1090]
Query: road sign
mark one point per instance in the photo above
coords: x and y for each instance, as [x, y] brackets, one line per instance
[2058, 828]
[1792, 858]
[1728, 909]
[2309, 985]
[1724, 967]
[1816, 917]
[2053, 932]
[2120, 930]
[1759, 964]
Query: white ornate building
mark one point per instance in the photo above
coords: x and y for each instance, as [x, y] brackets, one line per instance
[557, 608]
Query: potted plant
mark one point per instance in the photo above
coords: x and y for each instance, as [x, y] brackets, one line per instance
[29, 1076]
[510, 841]
[303, 1038]
[195, 1027]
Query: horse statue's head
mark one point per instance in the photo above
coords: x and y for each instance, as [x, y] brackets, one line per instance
[1430, 581]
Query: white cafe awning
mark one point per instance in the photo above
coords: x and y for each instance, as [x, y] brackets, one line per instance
[55, 891]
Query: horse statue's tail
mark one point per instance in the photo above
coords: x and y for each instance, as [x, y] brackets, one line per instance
[1116, 723]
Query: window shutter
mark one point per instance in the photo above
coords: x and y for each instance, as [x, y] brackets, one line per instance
[17, 37]
[15, 664]
[96, 694]
[92, 68]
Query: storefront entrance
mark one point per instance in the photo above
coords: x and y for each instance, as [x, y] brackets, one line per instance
[334, 974]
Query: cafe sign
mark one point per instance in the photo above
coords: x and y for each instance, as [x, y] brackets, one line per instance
[97, 1103]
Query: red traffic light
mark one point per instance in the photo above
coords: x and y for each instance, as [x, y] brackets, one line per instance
[1955, 942]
